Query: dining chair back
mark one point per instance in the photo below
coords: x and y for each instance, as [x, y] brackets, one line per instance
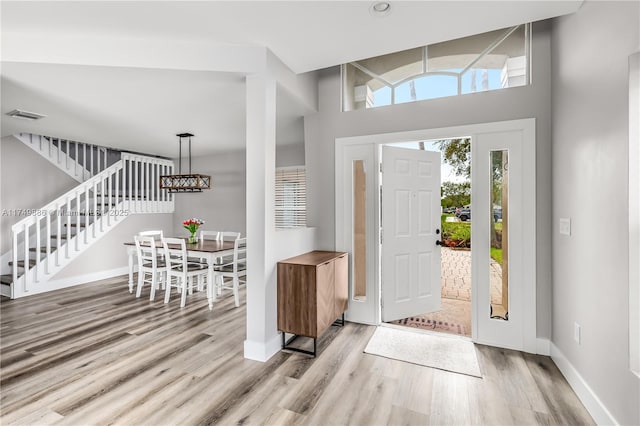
[228, 235]
[155, 234]
[236, 269]
[151, 268]
[209, 235]
[180, 272]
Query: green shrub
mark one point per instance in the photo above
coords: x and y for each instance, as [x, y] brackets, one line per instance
[456, 234]
[462, 233]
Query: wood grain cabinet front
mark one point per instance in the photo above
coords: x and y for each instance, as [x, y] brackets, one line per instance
[312, 292]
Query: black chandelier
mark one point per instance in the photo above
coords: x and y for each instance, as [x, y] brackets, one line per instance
[191, 182]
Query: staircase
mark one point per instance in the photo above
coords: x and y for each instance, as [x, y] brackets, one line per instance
[51, 237]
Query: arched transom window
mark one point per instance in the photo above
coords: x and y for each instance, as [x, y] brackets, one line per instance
[489, 61]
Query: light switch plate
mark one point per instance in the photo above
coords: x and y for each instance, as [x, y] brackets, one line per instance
[565, 226]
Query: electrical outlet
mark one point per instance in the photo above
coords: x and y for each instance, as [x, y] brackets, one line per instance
[565, 226]
[576, 332]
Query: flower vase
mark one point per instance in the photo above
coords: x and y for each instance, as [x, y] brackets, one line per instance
[192, 238]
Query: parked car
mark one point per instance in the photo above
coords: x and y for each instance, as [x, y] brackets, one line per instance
[464, 213]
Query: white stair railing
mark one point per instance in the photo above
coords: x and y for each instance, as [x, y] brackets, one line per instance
[79, 160]
[141, 177]
[61, 230]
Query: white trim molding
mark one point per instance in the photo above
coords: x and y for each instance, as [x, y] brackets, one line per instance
[81, 279]
[587, 396]
[259, 351]
[634, 213]
[543, 346]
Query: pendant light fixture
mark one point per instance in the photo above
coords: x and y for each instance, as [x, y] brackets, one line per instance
[191, 182]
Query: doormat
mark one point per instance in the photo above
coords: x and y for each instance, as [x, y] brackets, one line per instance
[433, 325]
[444, 353]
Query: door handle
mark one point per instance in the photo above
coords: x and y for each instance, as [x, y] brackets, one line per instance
[439, 243]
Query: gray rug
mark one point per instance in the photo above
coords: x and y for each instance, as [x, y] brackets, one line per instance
[418, 347]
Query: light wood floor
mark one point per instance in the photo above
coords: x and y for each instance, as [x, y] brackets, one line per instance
[95, 354]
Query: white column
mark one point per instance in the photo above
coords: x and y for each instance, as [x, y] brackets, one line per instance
[262, 335]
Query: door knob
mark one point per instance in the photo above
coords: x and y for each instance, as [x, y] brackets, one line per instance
[438, 243]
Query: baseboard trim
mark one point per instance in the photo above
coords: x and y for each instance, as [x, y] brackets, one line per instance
[543, 346]
[78, 280]
[587, 396]
[262, 351]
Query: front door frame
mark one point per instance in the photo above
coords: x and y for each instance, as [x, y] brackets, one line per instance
[374, 142]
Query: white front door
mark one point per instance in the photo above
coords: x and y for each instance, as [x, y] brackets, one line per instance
[410, 229]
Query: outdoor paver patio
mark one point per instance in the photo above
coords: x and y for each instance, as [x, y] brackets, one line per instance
[456, 276]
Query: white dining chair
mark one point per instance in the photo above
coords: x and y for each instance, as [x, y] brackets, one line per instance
[236, 269]
[228, 259]
[228, 235]
[202, 236]
[151, 268]
[180, 269]
[209, 235]
[155, 234]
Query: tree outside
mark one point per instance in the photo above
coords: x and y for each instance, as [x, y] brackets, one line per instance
[455, 194]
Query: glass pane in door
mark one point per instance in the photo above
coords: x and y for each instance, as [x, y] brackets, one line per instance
[359, 231]
[499, 223]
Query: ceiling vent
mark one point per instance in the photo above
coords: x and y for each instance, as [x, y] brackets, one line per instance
[26, 115]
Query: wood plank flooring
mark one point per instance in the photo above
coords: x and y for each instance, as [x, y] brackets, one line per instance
[96, 355]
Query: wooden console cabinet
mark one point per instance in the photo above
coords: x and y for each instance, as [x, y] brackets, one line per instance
[312, 293]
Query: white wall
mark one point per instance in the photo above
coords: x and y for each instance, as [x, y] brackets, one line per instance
[223, 206]
[27, 181]
[590, 180]
[109, 254]
[323, 128]
[290, 155]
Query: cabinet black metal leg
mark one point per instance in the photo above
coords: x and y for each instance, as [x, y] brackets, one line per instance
[285, 345]
[339, 322]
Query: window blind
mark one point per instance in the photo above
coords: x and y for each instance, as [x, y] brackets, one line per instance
[291, 197]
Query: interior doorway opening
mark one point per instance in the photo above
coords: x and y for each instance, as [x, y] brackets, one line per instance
[454, 315]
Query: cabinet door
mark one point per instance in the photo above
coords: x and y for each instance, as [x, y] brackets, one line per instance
[341, 285]
[325, 289]
[297, 299]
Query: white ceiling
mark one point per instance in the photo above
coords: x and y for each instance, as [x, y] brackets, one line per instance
[49, 67]
[127, 108]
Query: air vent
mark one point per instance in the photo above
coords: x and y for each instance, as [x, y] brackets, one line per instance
[26, 115]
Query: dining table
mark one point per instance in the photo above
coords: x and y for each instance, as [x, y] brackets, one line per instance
[210, 250]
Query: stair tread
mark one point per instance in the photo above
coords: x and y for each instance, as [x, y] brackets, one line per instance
[62, 237]
[32, 263]
[43, 249]
[6, 279]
